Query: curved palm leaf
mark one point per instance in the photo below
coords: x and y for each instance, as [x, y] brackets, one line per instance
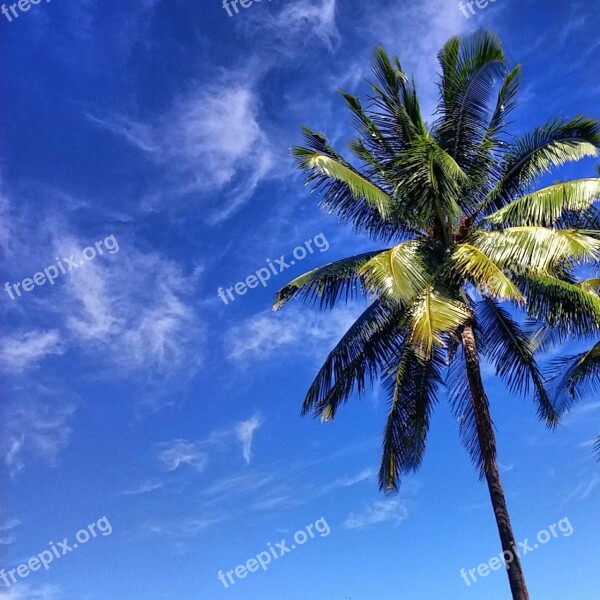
[346, 192]
[562, 305]
[582, 375]
[398, 273]
[412, 384]
[471, 263]
[537, 248]
[461, 403]
[359, 357]
[545, 207]
[326, 284]
[431, 178]
[469, 70]
[512, 353]
[551, 145]
[434, 316]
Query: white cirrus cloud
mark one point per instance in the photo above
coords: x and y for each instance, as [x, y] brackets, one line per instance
[22, 350]
[177, 453]
[134, 308]
[34, 429]
[144, 488]
[266, 333]
[245, 432]
[211, 138]
[29, 592]
[393, 511]
[7, 528]
[298, 22]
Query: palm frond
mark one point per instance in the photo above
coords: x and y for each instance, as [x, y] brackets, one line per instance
[472, 263]
[581, 376]
[551, 145]
[470, 68]
[591, 285]
[434, 316]
[411, 384]
[562, 305]
[545, 207]
[537, 248]
[461, 404]
[328, 284]
[512, 354]
[431, 178]
[358, 358]
[398, 274]
[361, 188]
[349, 194]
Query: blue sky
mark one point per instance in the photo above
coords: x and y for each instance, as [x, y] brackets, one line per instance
[132, 391]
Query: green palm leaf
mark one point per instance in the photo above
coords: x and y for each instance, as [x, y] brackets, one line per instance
[551, 145]
[398, 273]
[412, 384]
[361, 188]
[537, 248]
[562, 305]
[434, 317]
[484, 273]
[328, 284]
[512, 353]
[581, 374]
[359, 357]
[545, 207]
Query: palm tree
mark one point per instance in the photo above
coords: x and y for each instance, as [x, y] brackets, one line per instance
[466, 232]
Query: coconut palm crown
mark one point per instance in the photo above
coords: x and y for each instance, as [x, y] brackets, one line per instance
[471, 238]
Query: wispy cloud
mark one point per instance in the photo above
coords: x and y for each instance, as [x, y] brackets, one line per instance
[176, 531]
[135, 310]
[35, 430]
[262, 335]
[211, 139]
[29, 592]
[584, 489]
[180, 452]
[245, 432]
[7, 528]
[20, 351]
[239, 483]
[144, 488]
[298, 22]
[393, 511]
[364, 475]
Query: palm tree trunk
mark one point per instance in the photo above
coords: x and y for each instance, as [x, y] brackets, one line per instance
[487, 443]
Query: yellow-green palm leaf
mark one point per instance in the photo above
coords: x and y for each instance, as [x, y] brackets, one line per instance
[473, 263]
[434, 316]
[397, 273]
[545, 207]
[361, 188]
[537, 248]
